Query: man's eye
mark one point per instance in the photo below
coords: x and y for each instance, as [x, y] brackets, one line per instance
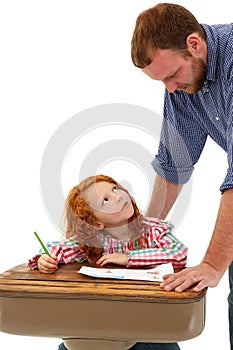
[171, 76]
[174, 75]
[115, 188]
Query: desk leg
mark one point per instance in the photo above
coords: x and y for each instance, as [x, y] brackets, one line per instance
[97, 344]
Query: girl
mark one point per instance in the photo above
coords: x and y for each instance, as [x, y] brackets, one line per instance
[104, 225]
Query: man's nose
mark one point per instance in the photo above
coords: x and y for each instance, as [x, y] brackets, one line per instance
[171, 86]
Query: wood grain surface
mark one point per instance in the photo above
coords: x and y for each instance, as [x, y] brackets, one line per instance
[21, 282]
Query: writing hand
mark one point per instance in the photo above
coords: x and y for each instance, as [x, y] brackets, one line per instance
[115, 258]
[47, 264]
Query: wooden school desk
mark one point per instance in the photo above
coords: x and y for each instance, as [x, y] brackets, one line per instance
[90, 313]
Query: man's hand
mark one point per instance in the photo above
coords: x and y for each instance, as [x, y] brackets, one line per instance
[203, 275]
[47, 264]
[115, 258]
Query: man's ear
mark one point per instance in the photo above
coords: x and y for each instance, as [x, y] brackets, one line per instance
[194, 44]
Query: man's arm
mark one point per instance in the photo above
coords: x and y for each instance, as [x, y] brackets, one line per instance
[163, 197]
[218, 256]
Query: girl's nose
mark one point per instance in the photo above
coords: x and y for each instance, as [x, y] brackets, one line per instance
[117, 197]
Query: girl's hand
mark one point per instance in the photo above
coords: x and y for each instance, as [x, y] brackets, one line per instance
[47, 264]
[115, 258]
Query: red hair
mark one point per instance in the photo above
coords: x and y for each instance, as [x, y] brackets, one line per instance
[81, 222]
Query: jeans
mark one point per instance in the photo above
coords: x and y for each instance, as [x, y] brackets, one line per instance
[155, 346]
[143, 346]
[230, 303]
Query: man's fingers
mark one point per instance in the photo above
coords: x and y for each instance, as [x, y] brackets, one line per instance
[180, 281]
[201, 276]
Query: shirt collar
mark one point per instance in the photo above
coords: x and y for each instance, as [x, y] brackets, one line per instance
[212, 52]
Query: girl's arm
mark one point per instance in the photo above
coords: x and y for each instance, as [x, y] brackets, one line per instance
[165, 248]
[65, 252]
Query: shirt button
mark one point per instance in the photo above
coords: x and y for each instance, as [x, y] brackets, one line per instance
[217, 117]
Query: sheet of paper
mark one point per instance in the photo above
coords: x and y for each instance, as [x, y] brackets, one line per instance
[153, 274]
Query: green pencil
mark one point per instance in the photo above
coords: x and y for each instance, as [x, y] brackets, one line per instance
[42, 244]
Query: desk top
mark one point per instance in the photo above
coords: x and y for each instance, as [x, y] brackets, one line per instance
[21, 282]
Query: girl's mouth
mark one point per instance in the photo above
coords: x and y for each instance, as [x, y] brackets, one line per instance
[124, 206]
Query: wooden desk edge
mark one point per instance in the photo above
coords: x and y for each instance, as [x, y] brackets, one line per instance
[20, 282]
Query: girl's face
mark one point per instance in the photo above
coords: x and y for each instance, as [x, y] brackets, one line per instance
[111, 206]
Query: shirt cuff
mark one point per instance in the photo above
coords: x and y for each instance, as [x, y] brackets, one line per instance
[172, 174]
[33, 263]
[228, 182]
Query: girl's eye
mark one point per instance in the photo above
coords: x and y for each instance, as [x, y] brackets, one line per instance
[115, 188]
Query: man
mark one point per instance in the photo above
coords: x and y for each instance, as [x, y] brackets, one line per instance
[195, 62]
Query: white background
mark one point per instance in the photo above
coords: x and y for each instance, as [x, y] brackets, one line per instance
[59, 58]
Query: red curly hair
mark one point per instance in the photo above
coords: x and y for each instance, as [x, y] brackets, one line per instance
[81, 222]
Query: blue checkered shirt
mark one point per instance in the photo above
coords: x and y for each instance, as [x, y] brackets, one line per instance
[190, 118]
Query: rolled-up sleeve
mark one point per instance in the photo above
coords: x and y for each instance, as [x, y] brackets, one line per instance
[228, 181]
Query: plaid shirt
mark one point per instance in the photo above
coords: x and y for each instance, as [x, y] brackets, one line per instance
[159, 246]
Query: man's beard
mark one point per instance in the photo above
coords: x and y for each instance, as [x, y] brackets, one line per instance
[199, 74]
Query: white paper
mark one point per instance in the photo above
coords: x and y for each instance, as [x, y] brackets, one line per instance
[154, 274]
